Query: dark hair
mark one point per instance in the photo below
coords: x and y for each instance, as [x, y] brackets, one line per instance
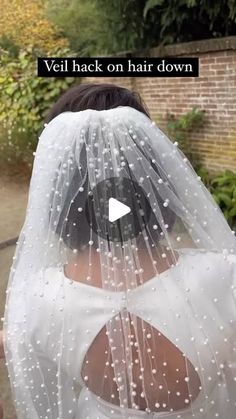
[98, 97]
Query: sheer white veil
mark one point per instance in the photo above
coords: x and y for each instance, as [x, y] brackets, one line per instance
[77, 154]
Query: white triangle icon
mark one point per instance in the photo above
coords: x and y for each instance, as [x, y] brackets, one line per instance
[117, 210]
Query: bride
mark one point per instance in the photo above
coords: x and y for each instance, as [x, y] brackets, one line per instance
[121, 295]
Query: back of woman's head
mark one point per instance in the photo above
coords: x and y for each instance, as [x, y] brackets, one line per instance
[97, 96]
[76, 230]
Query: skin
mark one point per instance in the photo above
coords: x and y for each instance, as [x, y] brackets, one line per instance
[97, 363]
[169, 378]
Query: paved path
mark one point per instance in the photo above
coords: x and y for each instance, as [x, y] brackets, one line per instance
[13, 201]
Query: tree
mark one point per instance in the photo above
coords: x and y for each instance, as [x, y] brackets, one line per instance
[97, 27]
[24, 24]
[188, 20]
[81, 22]
[25, 101]
[108, 26]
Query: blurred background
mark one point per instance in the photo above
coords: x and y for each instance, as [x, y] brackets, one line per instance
[199, 113]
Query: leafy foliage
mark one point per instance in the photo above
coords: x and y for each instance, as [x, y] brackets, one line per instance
[125, 24]
[223, 189]
[179, 128]
[25, 100]
[24, 24]
[222, 186]
[81, 22]
[108, 26]
[186, 20]
[99, 26]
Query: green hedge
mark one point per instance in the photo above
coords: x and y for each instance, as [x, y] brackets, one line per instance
[223, 189]
[25, 100]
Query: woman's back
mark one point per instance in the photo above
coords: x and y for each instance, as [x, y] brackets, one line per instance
[165, 379]
[174, 377]
[144, 323]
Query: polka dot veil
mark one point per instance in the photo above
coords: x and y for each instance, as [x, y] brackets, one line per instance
[120, 315]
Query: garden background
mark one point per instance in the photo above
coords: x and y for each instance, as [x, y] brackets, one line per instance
[200, 113]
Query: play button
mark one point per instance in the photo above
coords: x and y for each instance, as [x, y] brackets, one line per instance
[117, 210]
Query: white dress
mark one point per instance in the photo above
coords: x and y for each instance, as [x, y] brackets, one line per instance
[159, 302]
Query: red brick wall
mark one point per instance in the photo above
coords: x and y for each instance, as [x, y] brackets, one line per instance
[214, 91]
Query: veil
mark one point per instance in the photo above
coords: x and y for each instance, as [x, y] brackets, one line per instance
[115, 210]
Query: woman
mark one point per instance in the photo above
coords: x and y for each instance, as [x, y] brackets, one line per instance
[121, 296]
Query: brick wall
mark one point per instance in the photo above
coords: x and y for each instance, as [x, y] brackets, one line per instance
[214, 91]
